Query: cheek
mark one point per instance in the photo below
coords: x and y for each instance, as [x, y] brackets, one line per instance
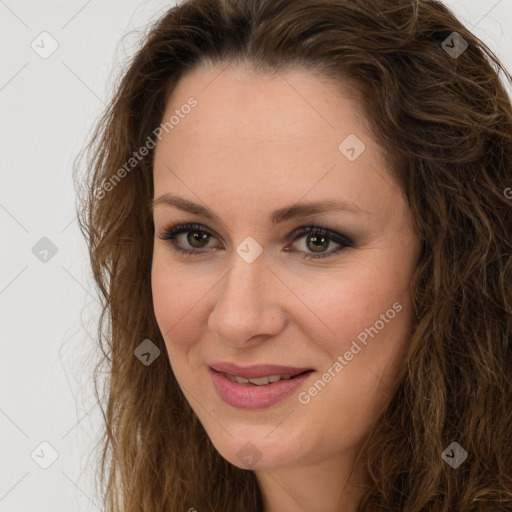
[355, 305]
[367, 315]
[173, 298]
[179, 296]
[163, 288]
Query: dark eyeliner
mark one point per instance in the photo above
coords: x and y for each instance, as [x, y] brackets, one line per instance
[170, 234]
[333, 236]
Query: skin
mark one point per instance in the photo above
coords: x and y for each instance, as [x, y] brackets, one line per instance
[255, 143]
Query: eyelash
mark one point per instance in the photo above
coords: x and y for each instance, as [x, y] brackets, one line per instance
[169, 234]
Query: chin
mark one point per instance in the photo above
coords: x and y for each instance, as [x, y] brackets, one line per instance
[254, 449]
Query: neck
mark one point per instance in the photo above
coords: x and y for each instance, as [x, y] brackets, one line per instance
[326, 486]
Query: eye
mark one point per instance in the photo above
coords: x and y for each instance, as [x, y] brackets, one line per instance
[317, 240]
[197, 236]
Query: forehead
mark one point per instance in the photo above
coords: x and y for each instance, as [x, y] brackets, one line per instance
[253, 108]
[267, 134]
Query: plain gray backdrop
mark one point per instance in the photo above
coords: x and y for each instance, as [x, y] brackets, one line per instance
[58, 62]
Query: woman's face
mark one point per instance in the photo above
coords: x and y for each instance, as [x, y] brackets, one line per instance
[253, 160]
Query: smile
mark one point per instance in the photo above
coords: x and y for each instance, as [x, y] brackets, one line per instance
[256, 387]
[258, 381]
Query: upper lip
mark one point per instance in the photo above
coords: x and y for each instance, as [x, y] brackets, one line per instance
[257, 370]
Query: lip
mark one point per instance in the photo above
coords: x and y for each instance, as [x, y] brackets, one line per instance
[250, 396]
[257, 370]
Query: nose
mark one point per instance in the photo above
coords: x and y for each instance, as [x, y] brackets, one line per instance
[248, 309]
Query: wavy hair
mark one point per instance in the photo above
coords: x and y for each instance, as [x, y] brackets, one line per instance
[444, 122]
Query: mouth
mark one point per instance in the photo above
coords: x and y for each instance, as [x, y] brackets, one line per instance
[262, 381]
[258, 371]
[256, 387]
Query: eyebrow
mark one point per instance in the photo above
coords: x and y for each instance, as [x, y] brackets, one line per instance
[294, 211]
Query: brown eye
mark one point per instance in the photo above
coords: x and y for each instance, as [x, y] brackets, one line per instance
[317, 243]
[187, 238]
[198, 239]
[317, 240]
[193, 239]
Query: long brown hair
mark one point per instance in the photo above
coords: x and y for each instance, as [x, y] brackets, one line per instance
[444, 120]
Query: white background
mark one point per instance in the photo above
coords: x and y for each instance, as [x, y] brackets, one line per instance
[48, 322]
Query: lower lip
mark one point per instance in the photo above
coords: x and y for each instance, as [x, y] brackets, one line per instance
[249, 396]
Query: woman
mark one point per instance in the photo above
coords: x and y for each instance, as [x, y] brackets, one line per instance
[297, 217]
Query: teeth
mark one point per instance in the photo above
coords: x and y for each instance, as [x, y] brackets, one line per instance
[259, 381]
